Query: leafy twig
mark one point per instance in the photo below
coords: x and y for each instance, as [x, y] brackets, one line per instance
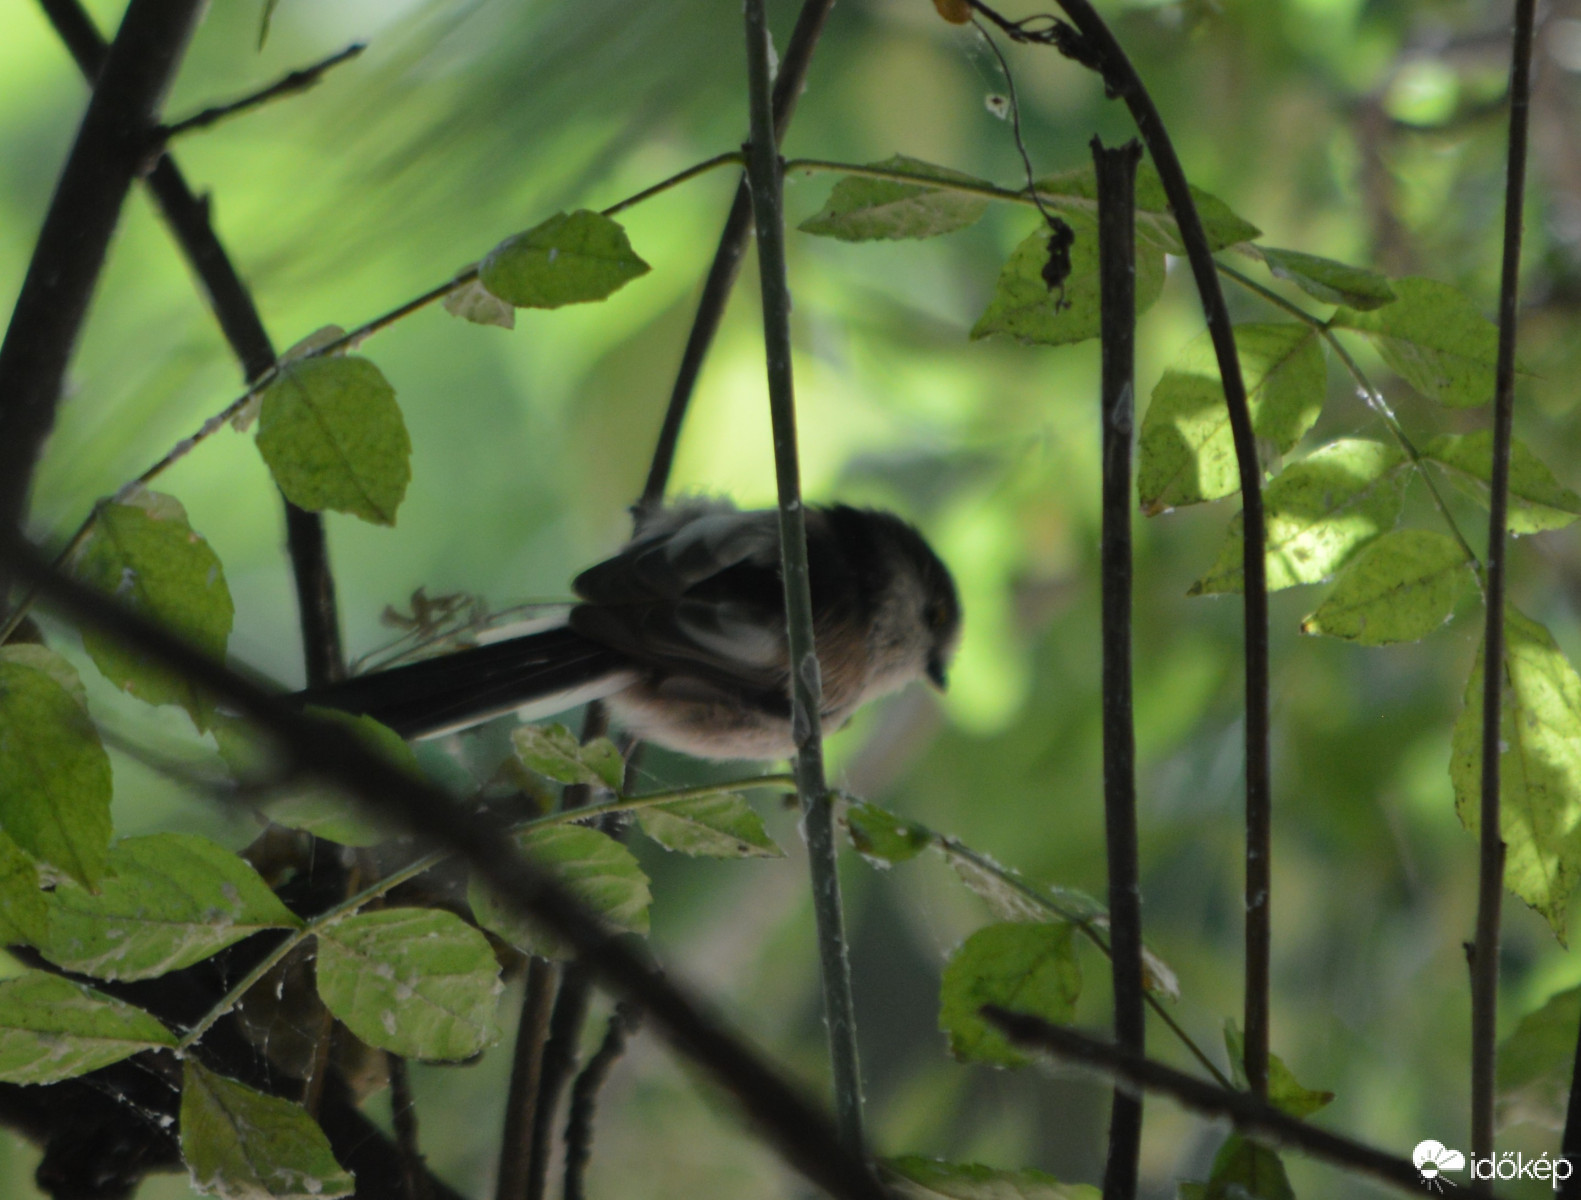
[584, 1095]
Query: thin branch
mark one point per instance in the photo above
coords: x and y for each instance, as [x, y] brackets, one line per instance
[1116, 174]
[1490, 870]
[296, 81]
[521, 1102]
[584, 1097]
[1250, 1114]
[765, 180]
[403, 1116]
[800, 1131]
[1570, 1142]
[560, 1056]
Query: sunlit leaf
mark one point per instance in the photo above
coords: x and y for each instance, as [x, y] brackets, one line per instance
[724, 826]
[1318, 512]
[569, 259]
[172, 899]
[1536, 499]
[1329, 281]
[883, 838]
[1026, 968]
[419, 982]
[1401, 588]
[1434, 338]
[931, 1179]
[1536, 1061]
[1186, 453]
[860, 209]
[143, 552]
[53, 1029]
[554, 751]
[240, 1144]
[334, 438]
[1539, 767]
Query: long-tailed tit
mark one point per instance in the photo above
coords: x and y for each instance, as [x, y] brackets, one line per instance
[683, 632]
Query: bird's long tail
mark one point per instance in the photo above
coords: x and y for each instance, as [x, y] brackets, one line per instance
[537, 674]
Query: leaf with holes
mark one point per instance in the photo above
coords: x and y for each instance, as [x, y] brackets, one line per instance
[1329, 281]
[53, 1029]
[860, 209]
[572, 258]
[334, 438]
[1026, 968]
[1536, 499]
[1434, 338]
[713, 827]
[1401, 588]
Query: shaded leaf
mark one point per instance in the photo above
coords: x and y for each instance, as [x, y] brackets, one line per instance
[724, 826]
[1284, 1093]
[1537, 501]
[53, 1029]
[1186, 451]
[474, 302]
[1026, 968]
[1076, 190]
[1535, 1063]
[172, 899]
[860, 209]
[1329, 281]
[1539, 767]
[1247, 1170]
[419, 982]
[330, 813]
[1318, 513]
[23, 911]
[932, 1179]
[333, 437]
[883, 838]
[144, 552]
[54, 774]
[1401, 588]
[1012, 899]
[240, 1144]
[569, 259]
[554, 751]
[1434, 338]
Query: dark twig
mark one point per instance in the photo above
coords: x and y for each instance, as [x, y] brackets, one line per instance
[1250, 1114]
[560, 1056]
[188, 218]
[521, 1102]
[764, 177]
[110, 149]
[584, 1097]
[800, 1131]
[1116, 170]
[296, 81]
[1570, 1143]
[726, 266]
[403, 1116]
[1490, 872]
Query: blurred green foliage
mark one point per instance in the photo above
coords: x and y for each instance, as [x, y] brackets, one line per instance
[1365, 130]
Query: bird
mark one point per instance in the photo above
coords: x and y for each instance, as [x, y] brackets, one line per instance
[682, 633]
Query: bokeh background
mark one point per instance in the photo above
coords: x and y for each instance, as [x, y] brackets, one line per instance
[1367, 130]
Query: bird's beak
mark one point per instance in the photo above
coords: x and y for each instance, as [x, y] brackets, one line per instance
[936, 675]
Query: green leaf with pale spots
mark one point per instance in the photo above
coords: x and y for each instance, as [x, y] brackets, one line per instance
[861, 209]
[883, 838]
[1026, 968]
[1186, 453]
[173, 899]
[918, 1178]
[418, 982]
[1318, 513]
[712, 827]
[591, 866]
[1329, 281]
[1536, 500]
[54, 774]
[1539, 767]
[555, 752]
[333, 437]
[53, 1029]
[571, 258]
[143, 551]
[1434, 338]
[240, 1144]
[1401, 588]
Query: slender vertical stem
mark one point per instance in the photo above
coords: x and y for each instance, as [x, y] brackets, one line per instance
[584, 1097]
[1117, 272]
[764, 176]
[521, 1101]
[1570, 1143]
[1490, 883]
[403, 1116]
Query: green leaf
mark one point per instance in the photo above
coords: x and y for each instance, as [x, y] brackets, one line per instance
[419, 982]
[1027, 968]
[1318, 513]
[53, 1029]
[24, 913]
[54, 773]
[1247, 1170]
[1537, 501]
[240, 1144]
[333, 437]
[592, 866]
[1535, 1063]
[1186, 451]
[331, 813]
[569, 259]
[1010, 898]
[931, 1179]
[144, 552]
[1024, 308]
[44, 659]
[1434, 338]
[1539, 767]
[723, 826]
[883, 838]
[1401, 588]
[860, 209]
[1076, 191]
[474, 302]
[1329, 281]
[1284, 1093]
[554, 751]
[172, 899]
